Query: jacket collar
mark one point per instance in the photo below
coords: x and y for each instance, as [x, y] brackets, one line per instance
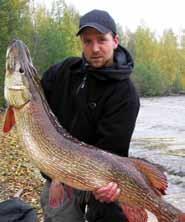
[121, 68]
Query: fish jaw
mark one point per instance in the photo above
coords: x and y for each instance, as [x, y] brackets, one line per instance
[15, 93]
[16, 90]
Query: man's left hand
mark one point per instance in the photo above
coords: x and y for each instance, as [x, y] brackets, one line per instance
[109, 193]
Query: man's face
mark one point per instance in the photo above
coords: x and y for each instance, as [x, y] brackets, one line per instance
[98, 48]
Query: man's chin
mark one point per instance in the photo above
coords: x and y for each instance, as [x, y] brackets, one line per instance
[97, 64]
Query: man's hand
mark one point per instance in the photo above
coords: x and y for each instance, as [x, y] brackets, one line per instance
[109, 193]
[56, 194]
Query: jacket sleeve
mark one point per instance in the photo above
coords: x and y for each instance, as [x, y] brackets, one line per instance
[116, 126]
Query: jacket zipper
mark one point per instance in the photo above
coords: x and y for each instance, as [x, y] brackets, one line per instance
[81, 86]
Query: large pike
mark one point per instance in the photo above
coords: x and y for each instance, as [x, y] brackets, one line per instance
[70, 161]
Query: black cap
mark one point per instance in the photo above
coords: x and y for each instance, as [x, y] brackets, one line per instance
[98, 19]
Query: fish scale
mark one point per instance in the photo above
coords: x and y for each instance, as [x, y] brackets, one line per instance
[63, 158]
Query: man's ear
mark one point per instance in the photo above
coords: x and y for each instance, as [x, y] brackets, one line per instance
[116, 41]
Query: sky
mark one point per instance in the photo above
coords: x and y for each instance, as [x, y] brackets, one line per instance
[158, 15]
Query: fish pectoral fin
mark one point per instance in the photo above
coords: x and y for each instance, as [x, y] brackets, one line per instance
[134, 214]
[56, 194]
[155, 176]
[9, 121]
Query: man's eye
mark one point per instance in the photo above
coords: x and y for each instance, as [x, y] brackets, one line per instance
[102, 40]
[86, 41]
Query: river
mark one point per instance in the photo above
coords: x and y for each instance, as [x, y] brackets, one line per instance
[160, 138]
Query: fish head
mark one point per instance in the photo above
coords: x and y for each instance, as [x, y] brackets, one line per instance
[19, 71]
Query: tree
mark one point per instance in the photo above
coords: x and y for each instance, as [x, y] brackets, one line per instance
[130, 43]
[181, 60]
[12, 14]
[168, 59]
[55, 34]
[148, 75]
[146, 50]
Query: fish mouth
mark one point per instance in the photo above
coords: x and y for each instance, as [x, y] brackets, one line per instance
[16, 88]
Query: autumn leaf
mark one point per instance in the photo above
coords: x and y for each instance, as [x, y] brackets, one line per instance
[17, 172]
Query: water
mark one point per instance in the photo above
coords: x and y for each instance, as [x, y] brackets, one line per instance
[160, 138]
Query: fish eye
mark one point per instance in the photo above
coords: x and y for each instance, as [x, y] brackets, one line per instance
[21, 70]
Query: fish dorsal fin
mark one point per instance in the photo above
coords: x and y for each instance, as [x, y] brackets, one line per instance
[9, 121]
[155, 176]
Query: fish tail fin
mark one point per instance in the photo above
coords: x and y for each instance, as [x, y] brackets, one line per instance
[9, 121]
[181, 217]
[154, 174]
[135, 214]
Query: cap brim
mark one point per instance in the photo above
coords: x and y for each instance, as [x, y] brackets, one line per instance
[96, 26]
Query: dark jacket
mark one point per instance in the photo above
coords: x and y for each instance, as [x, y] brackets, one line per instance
[97, 106]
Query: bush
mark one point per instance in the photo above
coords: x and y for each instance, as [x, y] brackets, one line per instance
[149, 80]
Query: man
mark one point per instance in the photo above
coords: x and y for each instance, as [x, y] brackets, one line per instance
[95, 100]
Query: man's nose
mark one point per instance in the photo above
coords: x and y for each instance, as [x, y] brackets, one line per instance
[95, 47]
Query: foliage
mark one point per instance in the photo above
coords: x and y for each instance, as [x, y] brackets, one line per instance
[149, 80]
[14, 23]
[50, 35]
[160, 63]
